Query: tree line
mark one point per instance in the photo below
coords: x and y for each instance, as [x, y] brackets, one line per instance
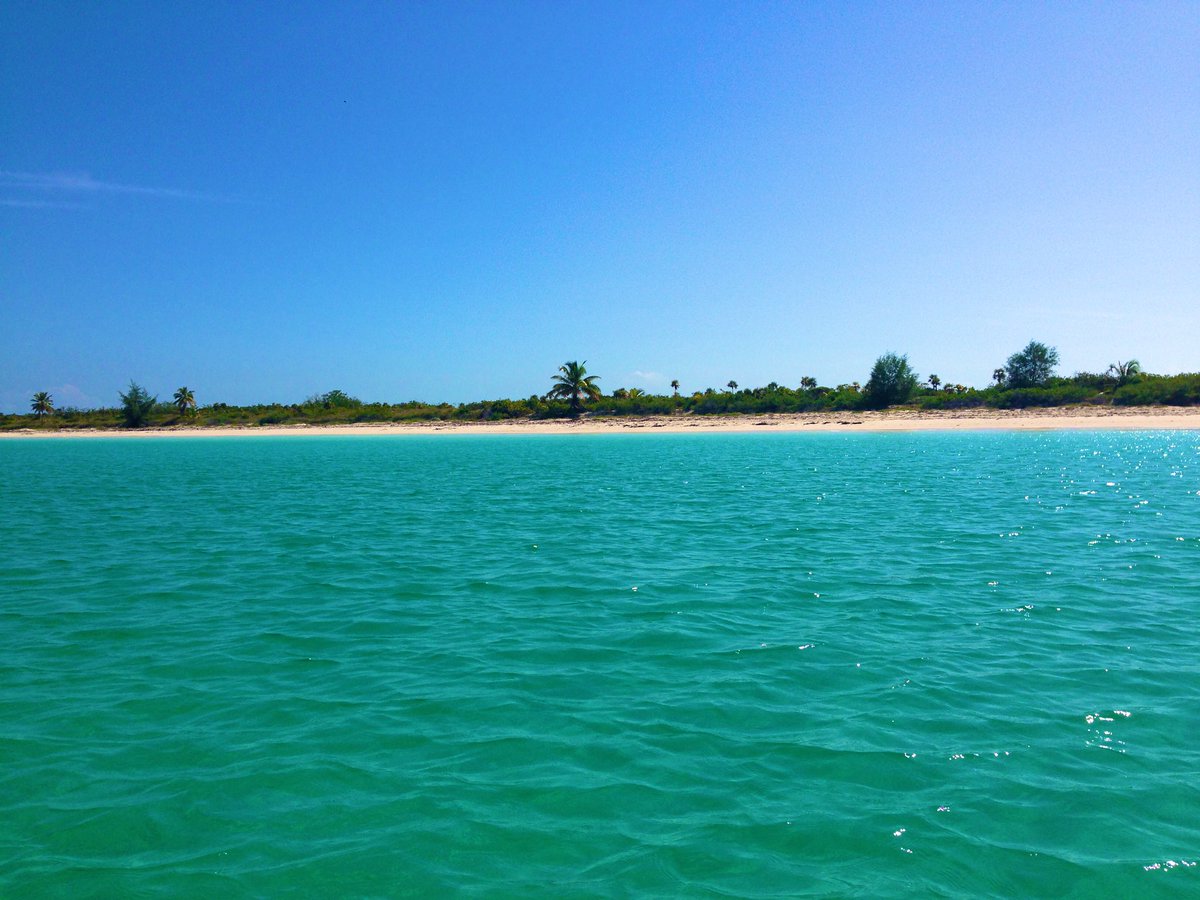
[1026, 379]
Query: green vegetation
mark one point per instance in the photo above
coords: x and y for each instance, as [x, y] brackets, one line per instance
[892, 381]
[575, 385]
[1031, 367]
[42, 404]
[136, 406]
[1125, 371]
[336, 399]
[574, 392]
[185, 400]
[1155, 390]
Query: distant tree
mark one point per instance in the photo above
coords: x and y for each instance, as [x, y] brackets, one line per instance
[934, 382]
[999, 376]
[575, 385]
[136, 405]
[42, 403]
[855, 386]
[1031, 367]
[732, 386]
[620, 394]
[675, 386]
[636, 393]
[185, 400]
[892, 381]
[1126, 371]
[336, 399]
[807, 383]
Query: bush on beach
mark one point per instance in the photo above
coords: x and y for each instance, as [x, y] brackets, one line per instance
[1160, 390]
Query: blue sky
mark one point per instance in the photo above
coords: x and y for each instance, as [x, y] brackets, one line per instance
[445, 201]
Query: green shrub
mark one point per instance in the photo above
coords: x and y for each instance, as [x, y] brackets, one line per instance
[1020, 398]
[1097, 382]
[1031, 367]
[336, 399]
[1160, 390]
[892, 381]
[945, 400]
[554, 409]
[136, 406]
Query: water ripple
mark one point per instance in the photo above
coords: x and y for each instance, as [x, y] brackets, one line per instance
[754, 666]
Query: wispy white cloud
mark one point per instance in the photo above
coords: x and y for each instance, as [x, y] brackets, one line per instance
[82, 184]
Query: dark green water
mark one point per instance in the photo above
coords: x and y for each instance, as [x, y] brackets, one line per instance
[959, 665]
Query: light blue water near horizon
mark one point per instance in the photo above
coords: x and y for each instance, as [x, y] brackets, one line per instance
[959, 665]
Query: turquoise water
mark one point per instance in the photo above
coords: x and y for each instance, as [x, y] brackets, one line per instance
[948, 665]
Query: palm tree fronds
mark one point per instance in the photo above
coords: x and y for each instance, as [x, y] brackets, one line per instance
[574, 385]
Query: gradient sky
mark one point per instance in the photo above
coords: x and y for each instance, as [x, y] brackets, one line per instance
[445, 201]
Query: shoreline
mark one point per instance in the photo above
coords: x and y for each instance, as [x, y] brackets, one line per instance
[895, 420]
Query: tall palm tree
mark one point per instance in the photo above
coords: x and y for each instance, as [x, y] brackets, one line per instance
[732, 385]
[807, 383]
[934, 382]
[42, 403]
[675, 386]
[575, 385]
[999, 375]
[185, 400]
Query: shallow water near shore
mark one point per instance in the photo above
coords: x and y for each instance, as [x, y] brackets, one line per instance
[752, 665]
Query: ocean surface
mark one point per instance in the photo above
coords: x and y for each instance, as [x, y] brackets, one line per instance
[780, 665]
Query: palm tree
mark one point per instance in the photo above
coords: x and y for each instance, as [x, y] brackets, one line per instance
[732, 385]
[999, 375]
[185, 400]
[1125, 371]
[42, 403]
[636, 393]
[575, 385]
[807, 383]
[934, 382]
[675, 386]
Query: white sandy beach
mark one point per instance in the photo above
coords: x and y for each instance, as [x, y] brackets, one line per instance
[1079, 418]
